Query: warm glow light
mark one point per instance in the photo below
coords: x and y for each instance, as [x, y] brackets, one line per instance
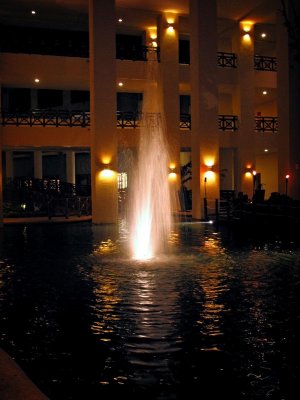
[209, 162]
[120, 20]
[153, 44]
[209, 175]
[36, 80]
[153, 32]
[120, 84]
[141, 242]
[170, 20]
[106, 173]
[263, 35]
[287, 176]
[172, 176]
[33, 12]
[247, 38]
[248, 174]
[170, 29]
[266, 150]
[264, 92]
[254, 173]
[246, 26]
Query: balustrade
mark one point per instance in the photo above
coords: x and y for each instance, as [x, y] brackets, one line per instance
[124, 119]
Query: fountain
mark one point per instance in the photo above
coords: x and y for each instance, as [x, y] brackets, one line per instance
[151, 209]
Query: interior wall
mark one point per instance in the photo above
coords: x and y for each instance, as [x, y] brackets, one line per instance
[267, 166]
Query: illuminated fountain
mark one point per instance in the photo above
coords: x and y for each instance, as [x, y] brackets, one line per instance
[151, 209]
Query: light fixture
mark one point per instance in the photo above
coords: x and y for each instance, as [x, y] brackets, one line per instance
[36, 80]
[170, 28]
[120, 19]
[266, 150]
[264, 92]
[106, 171]
[263, 35]
[246, 27]
[248, 171]
[120, 84]
[33, 12]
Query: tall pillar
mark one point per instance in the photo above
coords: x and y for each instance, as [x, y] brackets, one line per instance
[288, 88]
[70, 164]
[244, 106]
[102, 33]
[1, 181]
[204, 104]
[1, 169]
[38, 164]
[169, 89]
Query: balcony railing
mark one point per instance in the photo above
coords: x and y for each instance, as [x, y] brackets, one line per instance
[266, 124]
[124, 119]
[185, 121]
[228, 123]
[227, 60]
[264, 63]
[44, 118]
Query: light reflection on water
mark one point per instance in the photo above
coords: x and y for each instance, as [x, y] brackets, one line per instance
[213, 314]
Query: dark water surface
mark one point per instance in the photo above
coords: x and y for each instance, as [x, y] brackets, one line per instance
[216, 317]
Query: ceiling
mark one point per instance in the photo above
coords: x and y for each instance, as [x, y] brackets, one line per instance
[73, 13]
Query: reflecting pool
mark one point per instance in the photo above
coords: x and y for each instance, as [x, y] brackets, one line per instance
[217, 316]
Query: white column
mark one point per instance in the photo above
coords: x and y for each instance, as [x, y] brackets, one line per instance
[169, 91]
[204, 104]
[245, 107]
[102, 62]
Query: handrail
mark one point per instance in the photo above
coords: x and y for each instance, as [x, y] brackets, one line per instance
[124, 119]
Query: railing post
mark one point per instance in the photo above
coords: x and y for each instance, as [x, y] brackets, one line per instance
[205, 209]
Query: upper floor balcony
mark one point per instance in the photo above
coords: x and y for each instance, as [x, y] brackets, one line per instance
[65, 118]
[128, 47]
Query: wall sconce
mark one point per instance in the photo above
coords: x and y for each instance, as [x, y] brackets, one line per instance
[246, 27]
[172, 173]
[170, 27]
[248, 171]
[106, 172]
[209, 171]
